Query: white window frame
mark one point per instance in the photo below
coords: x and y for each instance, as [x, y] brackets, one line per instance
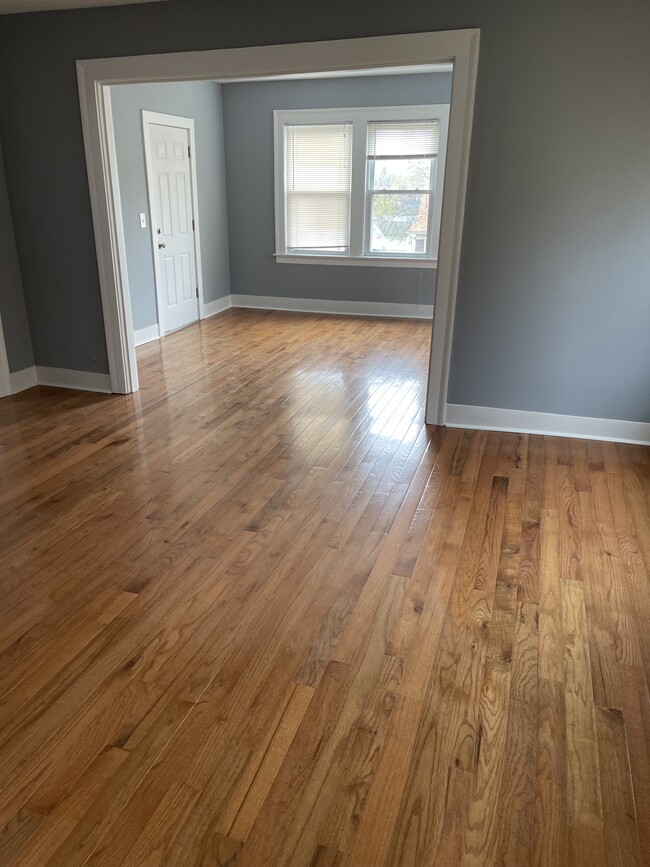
[359, 252]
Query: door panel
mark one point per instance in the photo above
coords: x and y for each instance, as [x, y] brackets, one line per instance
[181, 198]
[165, 214]
[169, 276]
[186, 269]
[172, 213]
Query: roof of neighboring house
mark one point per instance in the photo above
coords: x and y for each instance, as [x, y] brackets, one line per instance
[419, 227]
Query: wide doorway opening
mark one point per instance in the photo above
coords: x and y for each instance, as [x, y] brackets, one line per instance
[337, 185]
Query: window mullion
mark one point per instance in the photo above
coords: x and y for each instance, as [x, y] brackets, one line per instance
[358, 186]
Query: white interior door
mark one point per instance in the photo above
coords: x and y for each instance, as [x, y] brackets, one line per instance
[172, 219]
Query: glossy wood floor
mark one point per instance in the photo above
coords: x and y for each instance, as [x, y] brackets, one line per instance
[258, 613]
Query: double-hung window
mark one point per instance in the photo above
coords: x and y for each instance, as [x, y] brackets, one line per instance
[360, 186]
[317, 187]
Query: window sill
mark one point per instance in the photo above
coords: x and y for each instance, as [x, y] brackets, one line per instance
[363, 261]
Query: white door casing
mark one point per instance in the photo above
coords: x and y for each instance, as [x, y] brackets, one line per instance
[366, 55]
[172, 218]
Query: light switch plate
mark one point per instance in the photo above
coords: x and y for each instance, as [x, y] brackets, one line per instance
[143, 221]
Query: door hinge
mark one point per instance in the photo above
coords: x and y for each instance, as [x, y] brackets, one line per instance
[189, 152]
[197, 291]
[193, 226]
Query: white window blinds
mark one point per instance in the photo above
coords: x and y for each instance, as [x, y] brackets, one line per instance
[317, 190]
[414, 140]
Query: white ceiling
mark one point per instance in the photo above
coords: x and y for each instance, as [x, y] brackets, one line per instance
[12, 6]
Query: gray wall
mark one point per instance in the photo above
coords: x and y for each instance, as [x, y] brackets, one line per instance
[15, 326]
[201, 101]
[554, 291]
[248, 124]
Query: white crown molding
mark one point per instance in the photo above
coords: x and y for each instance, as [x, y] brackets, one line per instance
[547, 423]
[211, 308]
[146, 335]
[341, 308]
[427, 68]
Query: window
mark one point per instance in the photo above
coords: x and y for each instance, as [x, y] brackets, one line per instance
[360, 186]
[318, 187]
[401, 175]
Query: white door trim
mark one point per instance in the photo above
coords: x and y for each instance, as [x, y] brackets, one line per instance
[459, 47]
[149, 117]
[5, 376]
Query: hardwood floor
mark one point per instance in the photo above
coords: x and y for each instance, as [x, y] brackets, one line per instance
[259, 613]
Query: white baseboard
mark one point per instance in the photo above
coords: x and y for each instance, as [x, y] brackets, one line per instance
[146, 335]
[214, 307]
[342, 308]
[548, 423]
[59, 378]
[22, 379]
[83, 380]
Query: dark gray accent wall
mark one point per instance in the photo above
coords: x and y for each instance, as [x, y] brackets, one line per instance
[248, 125]
[201, 101]
[553, 306]
[15, 326]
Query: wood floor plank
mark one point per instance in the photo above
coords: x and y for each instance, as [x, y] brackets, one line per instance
[551, 639]
[482, 829]
[619, 812]
[251, 793]
[517, 796]
[551, 837]
[340, 828]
